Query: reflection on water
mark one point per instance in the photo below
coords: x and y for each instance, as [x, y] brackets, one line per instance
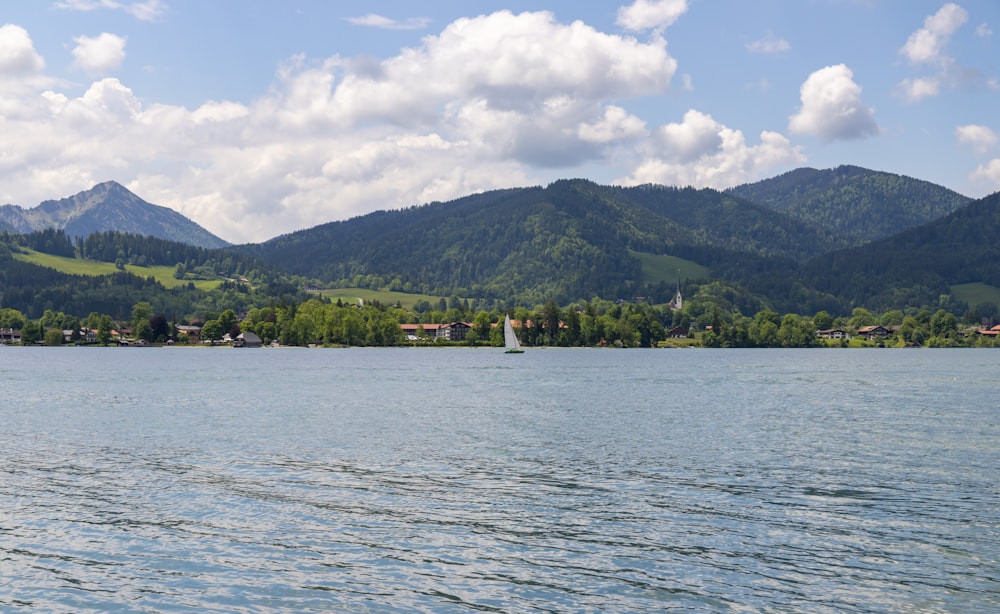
[468, 480]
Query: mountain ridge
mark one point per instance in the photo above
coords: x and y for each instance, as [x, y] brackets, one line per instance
[856, 203]
[108, 206]
[575, 240]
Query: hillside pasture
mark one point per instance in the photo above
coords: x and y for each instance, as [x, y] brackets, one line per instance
[976, 293]
[386, 297]
[76, 266]
[657, 268]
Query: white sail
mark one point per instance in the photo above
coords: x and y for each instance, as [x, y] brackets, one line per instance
[509, 338]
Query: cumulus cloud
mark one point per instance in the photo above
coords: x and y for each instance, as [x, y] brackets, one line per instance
[769, 45]
[651, 14]
[17, 52]
[926, 47]
[927, 44]
[488, 102]
[915, 90]
[378, 21]
[100, 54]
[980, 138]
[832, 108]
[150, 10]
[988, 173]
[983, 30]
[700, 151]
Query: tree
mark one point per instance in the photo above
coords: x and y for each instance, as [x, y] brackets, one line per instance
[142, 312]
[481, 325]
[763, 331]
[11, 318]
[823, 320]
[53, 336]
[943, 324]
[551, 315]
[31, 333]
[796, 332]
[212, 331]
[159, 328]
[861, 317]
[229, 322]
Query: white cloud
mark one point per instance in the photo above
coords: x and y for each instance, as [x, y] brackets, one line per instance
[988, 173]
[100, 54]
[17, 52]
[489, 102]
[769, 45]
[927, 44]
[832, 108]
[150, 10]
[915, 90]
[702, 152]
[983, 30]
[980, 138]
[651, 14]
[615, 125]
[378, 21]
[927, 47]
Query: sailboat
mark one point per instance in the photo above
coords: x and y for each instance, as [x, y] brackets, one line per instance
[509, 338]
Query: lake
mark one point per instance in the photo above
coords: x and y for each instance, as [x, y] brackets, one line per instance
[467, 480]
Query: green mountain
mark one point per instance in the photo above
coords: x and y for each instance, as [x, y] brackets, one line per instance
[108, 272]
[107, 207]
[918, 266]
[573, 239]
[853, 203]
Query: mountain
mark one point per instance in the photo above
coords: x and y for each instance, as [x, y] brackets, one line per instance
[573, 239]
[107, 207]
[854, 203]
[919, 265]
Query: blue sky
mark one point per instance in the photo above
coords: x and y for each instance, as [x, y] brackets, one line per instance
[259, 118]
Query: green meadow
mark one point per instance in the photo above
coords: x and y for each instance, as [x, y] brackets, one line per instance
[76, 266]
[665, 268]
[386, 297]
[976, 293]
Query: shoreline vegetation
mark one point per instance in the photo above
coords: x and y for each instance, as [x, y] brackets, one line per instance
[323, 323]
[215, 297]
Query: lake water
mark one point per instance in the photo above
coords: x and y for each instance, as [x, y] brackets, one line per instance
[460, 480]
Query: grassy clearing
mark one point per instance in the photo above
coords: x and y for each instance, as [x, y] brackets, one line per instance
[386, 297]
[664, 268]
[76, 266]
[976, 293]
[689, 342]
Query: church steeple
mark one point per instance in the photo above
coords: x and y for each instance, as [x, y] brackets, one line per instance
[678, 303]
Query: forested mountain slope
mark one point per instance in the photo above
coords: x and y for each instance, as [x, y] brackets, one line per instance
[566, 241]
[918, 265]
[854, 203]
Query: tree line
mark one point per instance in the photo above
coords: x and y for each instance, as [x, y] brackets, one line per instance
[322, 322]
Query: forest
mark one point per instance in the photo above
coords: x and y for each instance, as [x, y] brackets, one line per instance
[756, 277]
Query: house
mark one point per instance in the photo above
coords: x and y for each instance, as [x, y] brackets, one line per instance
[989, 332]
[9, 335]
[411, 330]
[454, 331]
[833, 333]
[248, 339]
[677, 332]
[193, 332]
[870, 333]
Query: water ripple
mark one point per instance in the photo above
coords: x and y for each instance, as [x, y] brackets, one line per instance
[761, 492]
